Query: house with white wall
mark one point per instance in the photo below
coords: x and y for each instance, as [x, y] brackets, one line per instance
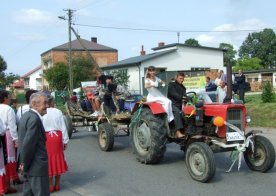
[172, 57]
[33, 79]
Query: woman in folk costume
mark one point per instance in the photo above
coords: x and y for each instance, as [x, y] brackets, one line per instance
[9, 140]
[3, 184]
[57, 139]
[154, 95]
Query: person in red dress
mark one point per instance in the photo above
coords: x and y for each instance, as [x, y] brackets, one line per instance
[57, 139]
[9, 139]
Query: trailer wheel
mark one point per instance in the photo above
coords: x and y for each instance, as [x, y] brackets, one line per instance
[69, 125]
[148, 137]
[200, 162]
[105, 137]
[263, 157]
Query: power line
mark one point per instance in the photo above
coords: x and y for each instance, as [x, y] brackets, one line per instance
[167, 30]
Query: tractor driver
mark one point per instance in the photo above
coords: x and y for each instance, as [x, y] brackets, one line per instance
[176, 93]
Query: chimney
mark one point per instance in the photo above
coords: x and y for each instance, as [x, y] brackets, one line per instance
[161, 44]
[142, 51]
[94, 39]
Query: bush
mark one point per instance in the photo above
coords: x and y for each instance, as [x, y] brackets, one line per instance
[268, 94]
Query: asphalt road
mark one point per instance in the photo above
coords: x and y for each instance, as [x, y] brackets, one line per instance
[117, 173]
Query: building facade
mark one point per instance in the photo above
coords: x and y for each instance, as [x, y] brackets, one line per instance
[33, 79]
[168, 58]
[101, 54]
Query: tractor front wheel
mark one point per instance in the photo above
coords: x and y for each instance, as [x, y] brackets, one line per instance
[200, 162]
[262, 157]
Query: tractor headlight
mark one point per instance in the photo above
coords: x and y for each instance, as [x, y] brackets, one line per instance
[218, 121]
[248, 119]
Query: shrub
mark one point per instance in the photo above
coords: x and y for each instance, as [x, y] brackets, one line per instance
[268, 94]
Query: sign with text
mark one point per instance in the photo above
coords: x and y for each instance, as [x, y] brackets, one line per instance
[195, 83]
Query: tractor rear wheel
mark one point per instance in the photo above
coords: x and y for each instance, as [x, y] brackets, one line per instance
[149, 137]
[200, 162]
[105, 137]
[263, 157]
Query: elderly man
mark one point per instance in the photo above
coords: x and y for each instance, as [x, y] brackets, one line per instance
[33, 156]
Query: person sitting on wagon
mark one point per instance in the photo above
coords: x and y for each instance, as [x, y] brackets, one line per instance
[176, 93]
[154, 95]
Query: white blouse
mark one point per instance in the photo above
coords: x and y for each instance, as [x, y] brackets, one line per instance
[54, 121]
[7, 116]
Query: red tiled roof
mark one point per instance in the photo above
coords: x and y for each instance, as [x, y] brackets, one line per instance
[76, 46]
[18, 83]
[31, 72]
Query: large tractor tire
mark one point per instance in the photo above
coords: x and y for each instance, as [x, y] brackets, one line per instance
[263, 157]
[200, 162]
[69, 125]
[105, 137]
[149, 137]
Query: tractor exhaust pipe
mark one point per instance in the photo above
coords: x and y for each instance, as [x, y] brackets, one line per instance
[229, 84]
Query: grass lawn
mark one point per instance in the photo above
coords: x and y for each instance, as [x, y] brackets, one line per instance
[262, 114]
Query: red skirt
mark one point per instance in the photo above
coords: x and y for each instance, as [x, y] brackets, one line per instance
[56, 161]
[11, 171]
[3, 184]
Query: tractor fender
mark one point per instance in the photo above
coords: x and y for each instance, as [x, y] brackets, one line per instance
[252, 132]
[156, 108]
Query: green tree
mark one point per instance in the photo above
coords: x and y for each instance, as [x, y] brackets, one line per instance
[261, 45]
[57, 76]
[268, 94]
[3, 64]
[9, 78]
[192, 42]
[247, 64]
[83, 69]
[3, 67]
[120, 76]
[229, 54]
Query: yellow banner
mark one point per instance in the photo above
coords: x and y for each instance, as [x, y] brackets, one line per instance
[193, 83]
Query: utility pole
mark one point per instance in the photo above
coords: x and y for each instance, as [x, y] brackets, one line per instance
[70, 14]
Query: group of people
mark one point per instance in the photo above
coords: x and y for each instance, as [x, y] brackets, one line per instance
[172, 104]
[219, 86]
[107, 92]
[33, 140]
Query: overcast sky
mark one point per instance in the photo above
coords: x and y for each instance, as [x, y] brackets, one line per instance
[31, 27]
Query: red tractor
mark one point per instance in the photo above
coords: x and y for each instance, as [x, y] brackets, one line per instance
[210, 128]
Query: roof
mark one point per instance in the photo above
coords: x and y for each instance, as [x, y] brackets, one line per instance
[31, 72]
[76, 46]
[137, 59]
[185, 45]
[18, 83]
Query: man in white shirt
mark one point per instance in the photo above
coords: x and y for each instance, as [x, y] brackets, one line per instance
[26, 107]
[221, 92]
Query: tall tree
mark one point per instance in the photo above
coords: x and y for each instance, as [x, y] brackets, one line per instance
[121, 77]
[3, 64]
[9, 78]
[247, 64]
[57, 76]
[262, 45]
[229, 54]
[83, 69]
[192, 42]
